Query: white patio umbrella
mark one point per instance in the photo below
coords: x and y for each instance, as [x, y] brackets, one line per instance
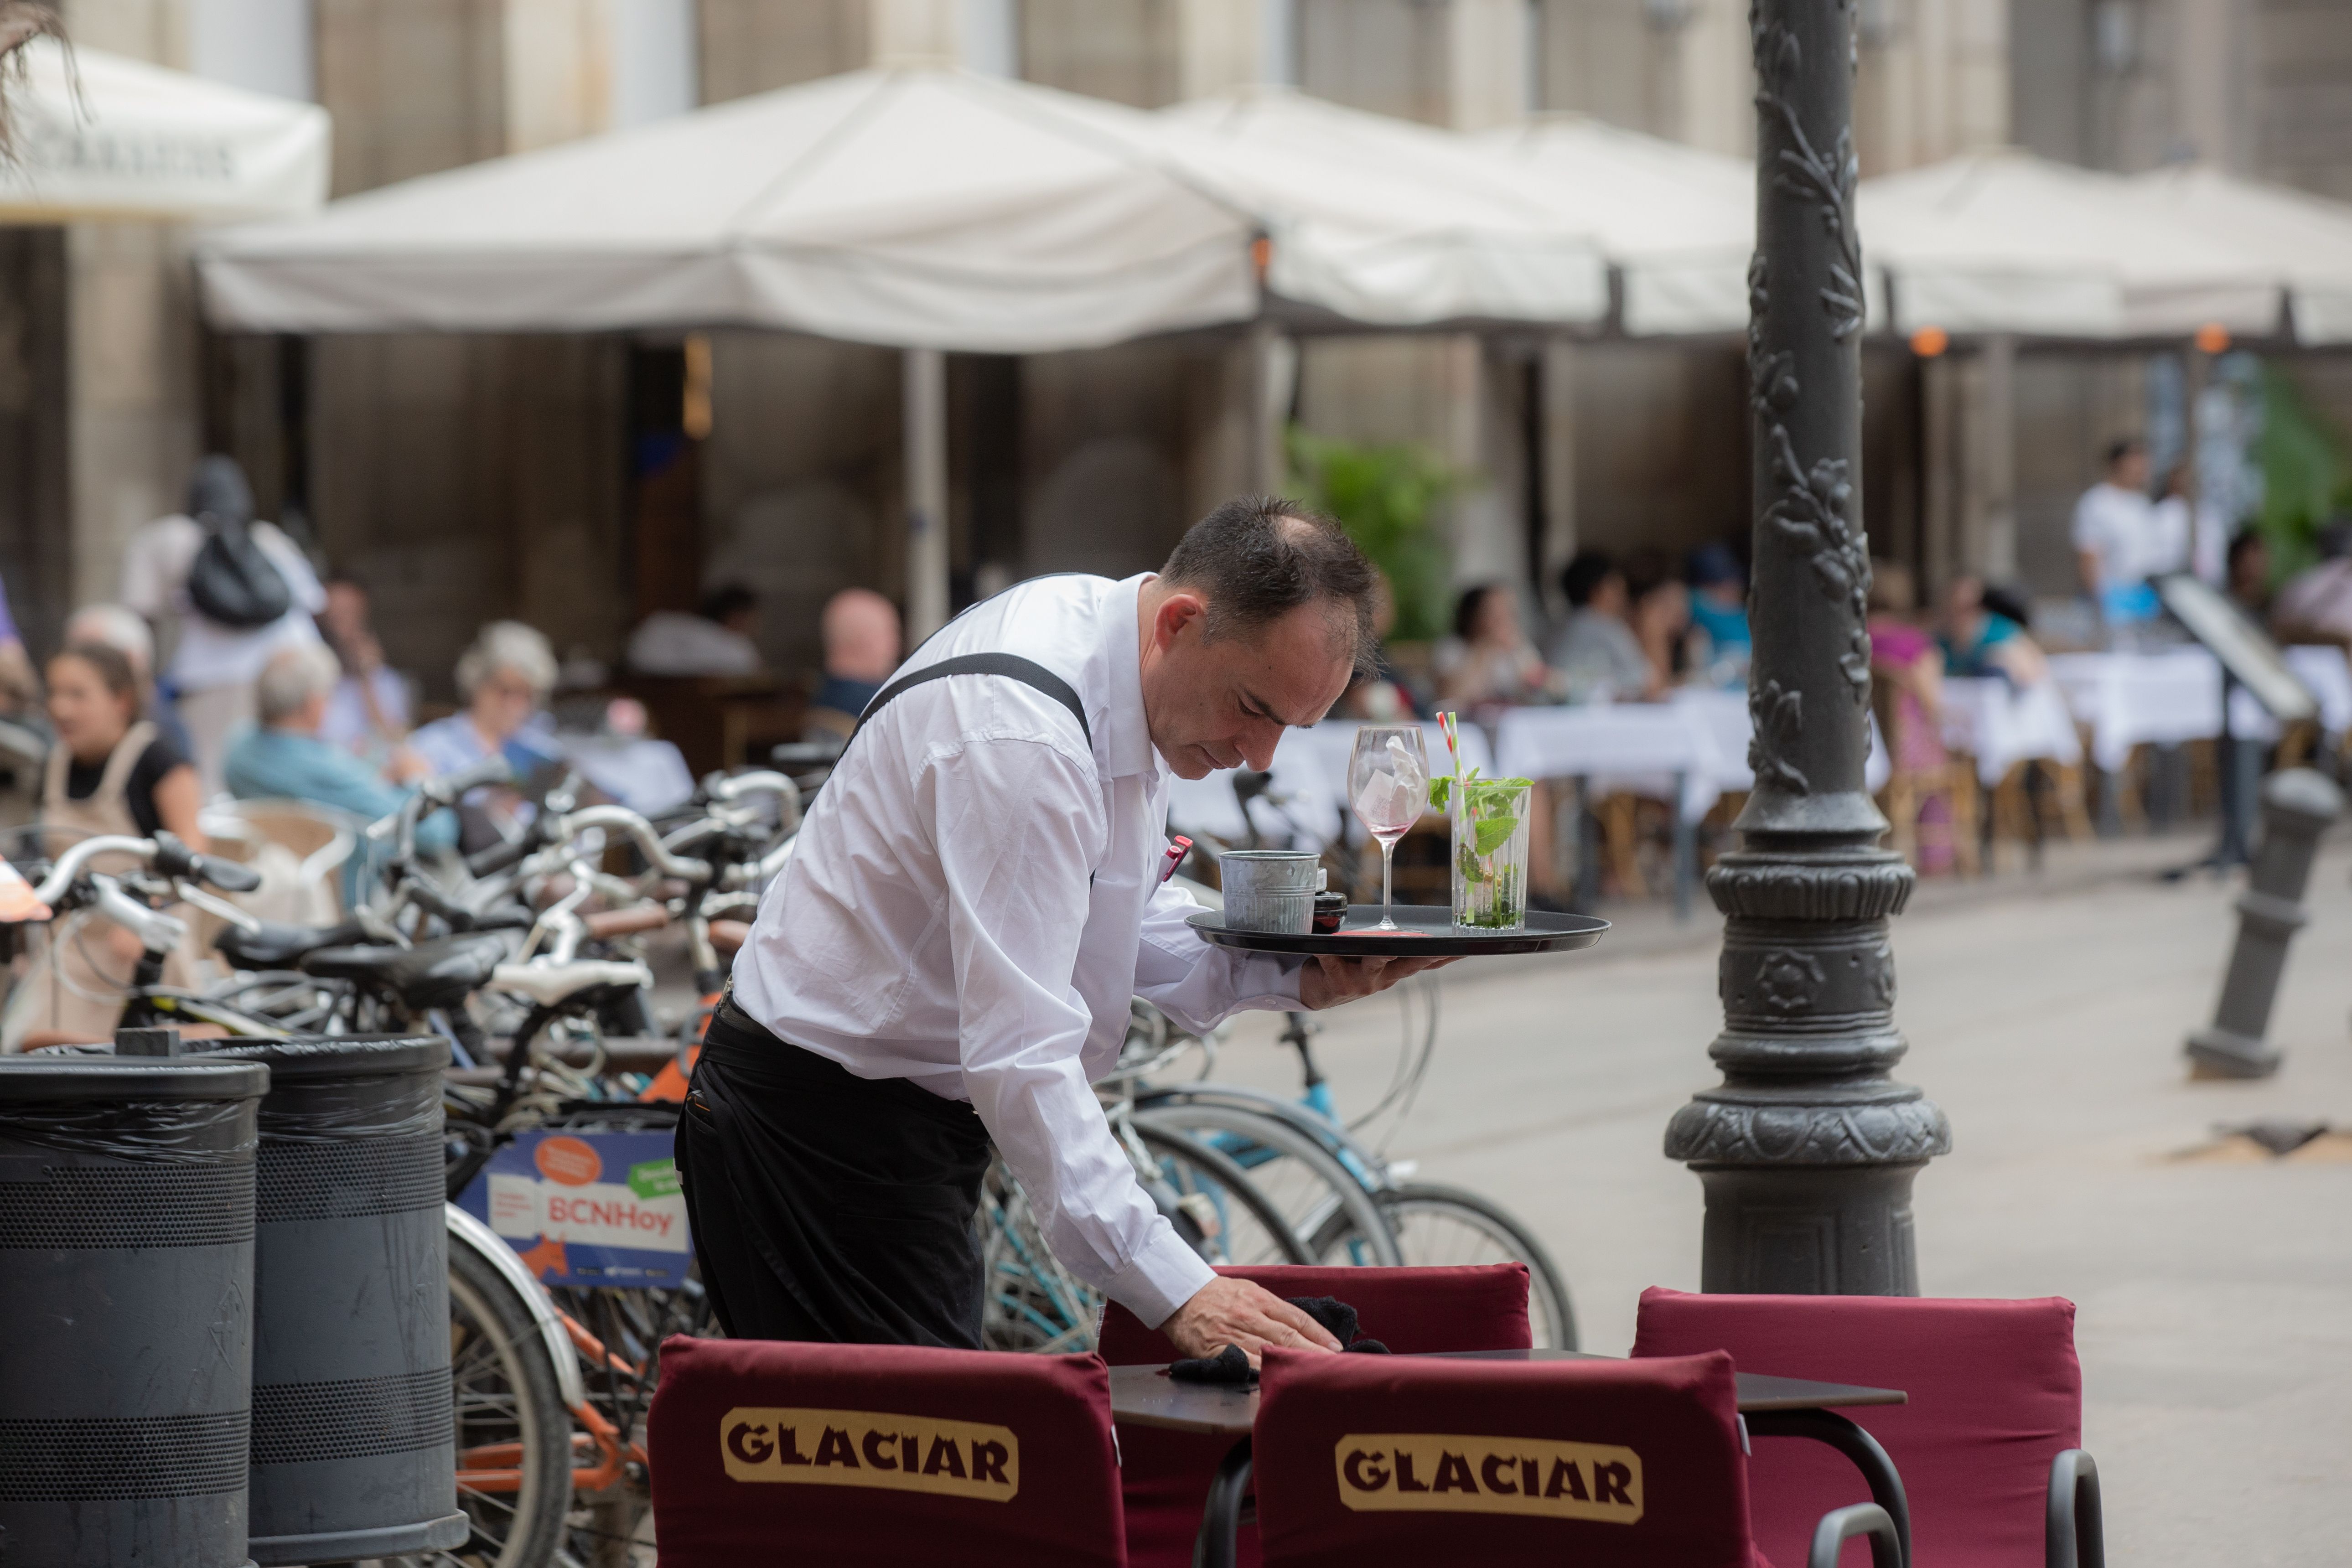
[917, 208]
[1383, 221]
[2305, 240]
[105, 137]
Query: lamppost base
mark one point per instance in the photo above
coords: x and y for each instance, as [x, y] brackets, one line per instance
[2221, 1053]
[1810, 1230]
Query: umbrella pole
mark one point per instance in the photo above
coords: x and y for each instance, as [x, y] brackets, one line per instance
[927, 492]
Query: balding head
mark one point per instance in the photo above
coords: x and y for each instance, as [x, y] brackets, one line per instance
[117, 627]
[861, 635]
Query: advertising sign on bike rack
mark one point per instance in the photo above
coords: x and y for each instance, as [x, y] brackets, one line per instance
[587, 1208]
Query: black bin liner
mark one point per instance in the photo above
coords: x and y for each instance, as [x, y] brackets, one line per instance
[354, 1449]
[126, 1284]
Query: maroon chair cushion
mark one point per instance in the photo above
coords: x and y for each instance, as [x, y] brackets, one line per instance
[763, 1451]
[1363, 1461]
[1996, 1394]
[1411, 1311]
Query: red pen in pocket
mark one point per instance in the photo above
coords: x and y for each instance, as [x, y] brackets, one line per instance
[1178, 848]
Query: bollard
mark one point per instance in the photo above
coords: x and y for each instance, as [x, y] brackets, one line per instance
[126, 1284]
[353, 1439]
[2297, 806]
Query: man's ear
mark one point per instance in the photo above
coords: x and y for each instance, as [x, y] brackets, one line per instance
[1177, 611]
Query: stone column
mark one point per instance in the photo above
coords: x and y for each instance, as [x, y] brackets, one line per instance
[1808, 1149]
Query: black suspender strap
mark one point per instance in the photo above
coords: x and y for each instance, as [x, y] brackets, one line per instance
[1010, 666]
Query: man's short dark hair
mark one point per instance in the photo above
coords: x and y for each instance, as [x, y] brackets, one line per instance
[1583, 574]
[727, 599]
[2124, 447]
[1258, 558]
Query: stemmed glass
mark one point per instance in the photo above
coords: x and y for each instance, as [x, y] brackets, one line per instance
[1388, 783]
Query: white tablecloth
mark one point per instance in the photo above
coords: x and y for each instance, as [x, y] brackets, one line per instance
[1636, 747]
[647, 776]
[2001, 725]
[2134, 699]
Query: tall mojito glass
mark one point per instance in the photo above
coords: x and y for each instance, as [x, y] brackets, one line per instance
[1490, 852]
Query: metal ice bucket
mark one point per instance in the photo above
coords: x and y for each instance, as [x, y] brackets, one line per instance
[1270, 890]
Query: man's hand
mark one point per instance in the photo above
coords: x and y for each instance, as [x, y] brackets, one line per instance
[1227, 1311]
[1330, 981]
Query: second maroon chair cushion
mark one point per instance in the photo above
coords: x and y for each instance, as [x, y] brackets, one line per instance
[770, 1452]
[1995, 1394]
[1411, 1311]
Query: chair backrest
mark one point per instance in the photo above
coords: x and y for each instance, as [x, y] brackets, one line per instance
[1371, 1460]
[765, 1451]
[1995, 1394]
[1413, 1311]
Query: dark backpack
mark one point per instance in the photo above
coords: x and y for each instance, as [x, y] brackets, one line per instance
[232, 581]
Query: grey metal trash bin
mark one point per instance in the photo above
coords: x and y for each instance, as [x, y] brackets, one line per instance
[126, 1287]
[353, 1440]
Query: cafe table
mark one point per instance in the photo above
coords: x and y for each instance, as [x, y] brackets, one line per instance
[1769, 1407]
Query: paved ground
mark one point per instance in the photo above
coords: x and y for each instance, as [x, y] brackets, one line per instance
[2046, 1017]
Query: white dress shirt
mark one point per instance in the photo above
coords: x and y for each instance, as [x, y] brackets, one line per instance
[2119, 527]
[976, 896]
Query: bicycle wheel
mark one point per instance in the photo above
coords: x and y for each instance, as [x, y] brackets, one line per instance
[1324, 1203]
[1438, 1224]
[514, 1437]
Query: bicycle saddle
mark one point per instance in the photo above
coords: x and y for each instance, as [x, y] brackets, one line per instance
[278, 945]
[440, 974]
[549, 983]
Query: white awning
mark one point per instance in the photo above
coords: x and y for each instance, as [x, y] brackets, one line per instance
[1383, 221]
[915, 208]
[115, 138]
[2305, 240]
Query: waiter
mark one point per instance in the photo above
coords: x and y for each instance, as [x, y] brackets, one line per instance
[949, 958]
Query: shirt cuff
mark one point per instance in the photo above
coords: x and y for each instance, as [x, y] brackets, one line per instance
[1265, 982]
[1164, 1276]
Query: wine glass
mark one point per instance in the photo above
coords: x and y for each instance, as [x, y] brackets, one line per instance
[1388, 785]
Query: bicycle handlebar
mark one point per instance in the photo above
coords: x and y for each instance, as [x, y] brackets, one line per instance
[162, 852]
[174, 858]
[623, 820]
[446, 789]
[498, 856]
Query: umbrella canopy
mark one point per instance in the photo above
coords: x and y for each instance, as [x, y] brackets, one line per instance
[2305, 240]
[1383, 221]
[2004, 241]
[102, 137]
[913, 208]
[1677, 223]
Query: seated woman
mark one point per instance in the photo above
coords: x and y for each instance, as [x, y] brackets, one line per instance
[505, 678]
[1909, 668]
[1978, 640]
[110, 771]
[1488, 658]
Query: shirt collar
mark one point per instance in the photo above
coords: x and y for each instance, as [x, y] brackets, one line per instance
[1127, 739]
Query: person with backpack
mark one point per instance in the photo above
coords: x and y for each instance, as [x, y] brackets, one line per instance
[239, 590]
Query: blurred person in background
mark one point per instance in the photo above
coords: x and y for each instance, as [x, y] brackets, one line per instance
[2248, 574]
[370, 709]
[715, 640]
[1978, 640]
[860, 628]
[504, 679]
[2189, 536]
[20, 688]
[214, 663]
[111, 771]
[2114, 537]
[1911, 669]
[287, 757]
[126, 631]
[1489, 660]
[2316, 606]
[1719, 644]
[1595, 651]
[1660, 615]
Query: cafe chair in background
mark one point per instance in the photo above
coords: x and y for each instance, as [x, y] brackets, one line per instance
[1988, 1446]
[1384, 1461]
[1412, 1312]
[763, 1451]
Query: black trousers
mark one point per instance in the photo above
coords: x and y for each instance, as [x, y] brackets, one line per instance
[824, 1205]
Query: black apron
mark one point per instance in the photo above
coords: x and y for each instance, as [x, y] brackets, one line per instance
[827, 1206]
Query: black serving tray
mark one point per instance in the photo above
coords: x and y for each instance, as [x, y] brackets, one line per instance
[1428, 932]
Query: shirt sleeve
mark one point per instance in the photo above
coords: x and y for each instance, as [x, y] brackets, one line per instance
[1197, 983]
[1016, 825]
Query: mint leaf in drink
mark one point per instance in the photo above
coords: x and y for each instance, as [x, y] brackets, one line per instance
[1495, 831]
[1440, 790]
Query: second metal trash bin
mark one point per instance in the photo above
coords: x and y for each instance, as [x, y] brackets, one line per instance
[353, 1441]
[126, 1289]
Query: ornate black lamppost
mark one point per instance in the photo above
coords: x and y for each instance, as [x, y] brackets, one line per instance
[1808, 1149]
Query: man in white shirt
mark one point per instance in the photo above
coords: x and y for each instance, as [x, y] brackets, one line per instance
[976, 895]
[2116, 537]
[214, 667]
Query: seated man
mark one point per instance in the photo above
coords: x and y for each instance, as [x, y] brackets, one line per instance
[1596, 650]
[860, 628]
[284, 758]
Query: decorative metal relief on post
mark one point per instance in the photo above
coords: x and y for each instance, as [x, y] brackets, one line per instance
[1808, 1147]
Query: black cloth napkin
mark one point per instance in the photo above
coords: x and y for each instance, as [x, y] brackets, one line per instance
[1230, 1367]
